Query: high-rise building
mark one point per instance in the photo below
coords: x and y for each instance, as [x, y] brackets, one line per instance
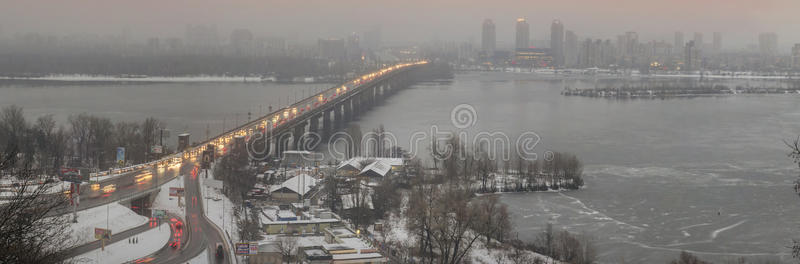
[557, 42]
[796, 57]
[372, 39]
[332, 49]
[717, 44]
[698, 40]
[768, 43]
[570, 49]
[678, 45]
[691, 59]
[242, 42]
[523, 34]
[488, 38]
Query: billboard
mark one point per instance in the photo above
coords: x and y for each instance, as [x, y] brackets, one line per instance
[157, 149]
[159, 213]
[242, 248]
[183, 141]
[100, 233]
[253, 248]
[120, 155]
[73, 175]
[174, 191]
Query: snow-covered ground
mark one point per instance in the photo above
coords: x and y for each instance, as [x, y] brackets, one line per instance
[120, 218]
[164, 201]
[216, 203]
[149, 242]
[202, 258]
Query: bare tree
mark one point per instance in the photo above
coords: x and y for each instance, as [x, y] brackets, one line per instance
[28, 232]
[286, 245]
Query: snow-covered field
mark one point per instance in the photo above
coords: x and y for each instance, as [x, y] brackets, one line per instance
[120, 218]
[216, 204]
[121, 251]
[164, 201]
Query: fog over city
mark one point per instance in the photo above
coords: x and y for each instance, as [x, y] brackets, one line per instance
[417, 131]
[409, 21]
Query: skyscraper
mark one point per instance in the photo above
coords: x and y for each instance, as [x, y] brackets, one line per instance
[768, 43]
[717, 44]
[691, 59]
[698, 40]
[557, 42]
[678, 45]
[372, 39]
[796, 57]
[488, 38]
[570, 49]
[523, 33]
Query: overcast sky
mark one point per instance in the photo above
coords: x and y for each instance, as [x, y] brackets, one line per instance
[740, 21]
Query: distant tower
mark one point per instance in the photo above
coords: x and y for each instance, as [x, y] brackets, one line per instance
[768, 43]
[698, 40]
[557, 42]
[678, 42]
[796, 57]
[523, 33]
[570, 49]
[488, 38]
[717, 44]
[691, 55]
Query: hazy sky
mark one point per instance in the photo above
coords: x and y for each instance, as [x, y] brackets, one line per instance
[414, 20]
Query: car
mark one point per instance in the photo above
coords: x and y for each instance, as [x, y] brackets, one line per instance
[220, 253]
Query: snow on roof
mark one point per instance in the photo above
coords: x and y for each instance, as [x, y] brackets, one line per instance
[351, 164]
[300, 184]
[355, 163]
[379, 168]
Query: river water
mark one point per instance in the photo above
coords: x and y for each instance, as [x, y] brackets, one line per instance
[708, 174]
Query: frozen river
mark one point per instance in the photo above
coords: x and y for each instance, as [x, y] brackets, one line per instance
[708, 175]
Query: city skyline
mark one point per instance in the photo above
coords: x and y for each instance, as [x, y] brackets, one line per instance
[655, 20]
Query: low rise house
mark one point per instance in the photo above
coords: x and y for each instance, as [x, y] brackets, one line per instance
[276, 221]
[293, 189]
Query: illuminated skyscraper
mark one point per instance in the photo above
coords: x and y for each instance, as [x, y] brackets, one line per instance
[557, 42]
[523, 34]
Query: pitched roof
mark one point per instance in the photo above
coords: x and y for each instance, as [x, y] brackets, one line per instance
[302, 182]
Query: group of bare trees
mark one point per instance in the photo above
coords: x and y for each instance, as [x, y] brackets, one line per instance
[88, 141]
[29, 231]
[457, 162]
[565, 246]
[447, 223]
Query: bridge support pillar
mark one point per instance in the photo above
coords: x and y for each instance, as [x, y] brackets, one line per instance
[339, 112]
[348, 110]
[313, 125]
[297, 136]
[326, 124]
[356, 106]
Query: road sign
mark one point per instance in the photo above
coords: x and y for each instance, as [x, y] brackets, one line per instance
[159, 213]
[120, 155]
[157, 149]
[174, 191]
[72, 175]
[101, 233]
[242, 248]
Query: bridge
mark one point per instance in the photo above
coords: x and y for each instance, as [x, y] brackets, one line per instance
[287, 128]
